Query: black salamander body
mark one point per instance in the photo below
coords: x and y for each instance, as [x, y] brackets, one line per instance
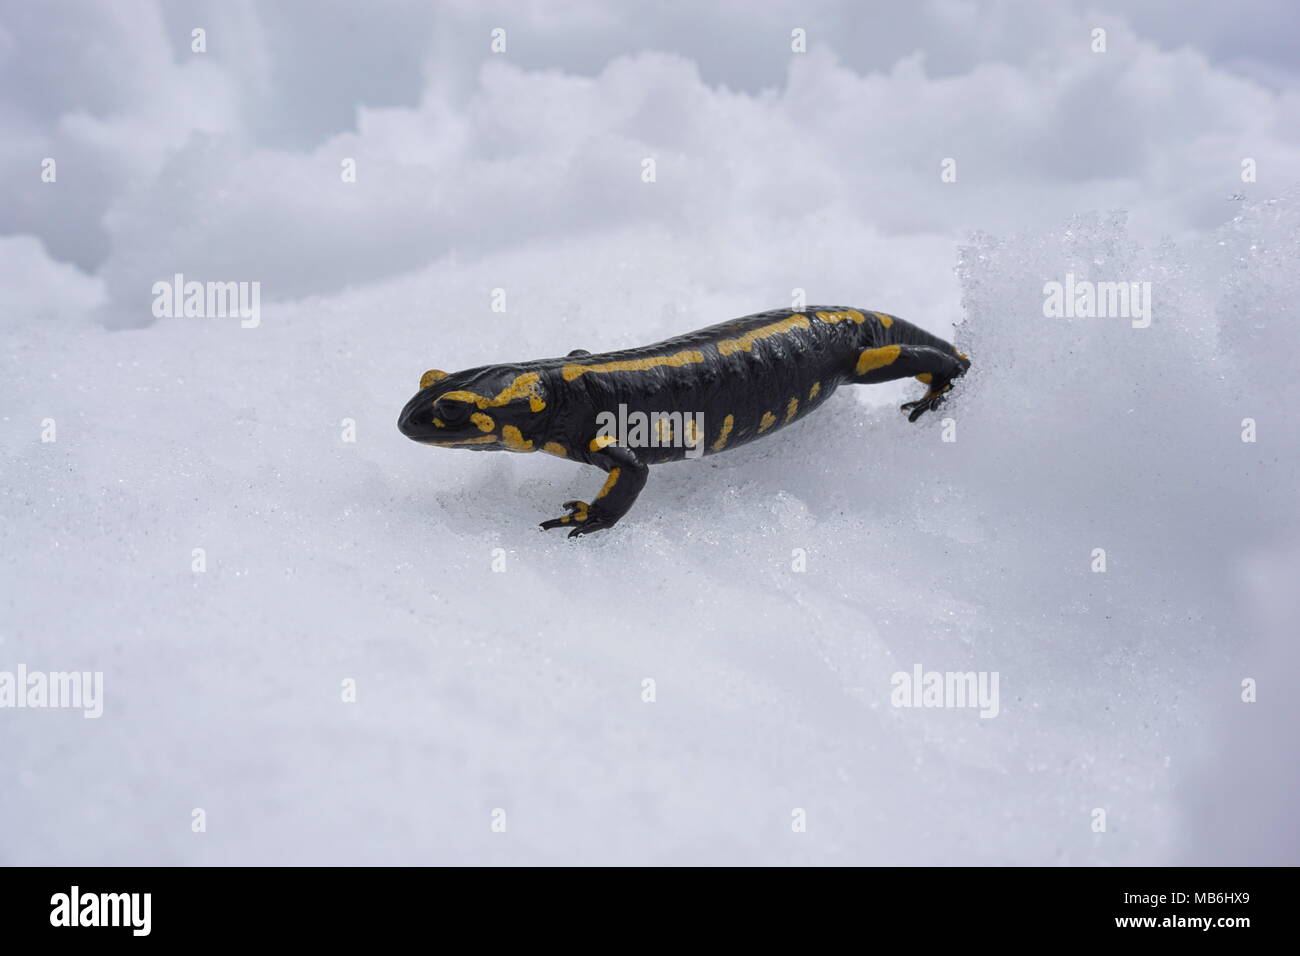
[697, 394]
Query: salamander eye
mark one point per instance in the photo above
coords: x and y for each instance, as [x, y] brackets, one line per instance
[453, 413]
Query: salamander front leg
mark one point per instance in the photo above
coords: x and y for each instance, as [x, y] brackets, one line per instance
[627, 476]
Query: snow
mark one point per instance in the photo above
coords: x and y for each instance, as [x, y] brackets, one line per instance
[522, 690]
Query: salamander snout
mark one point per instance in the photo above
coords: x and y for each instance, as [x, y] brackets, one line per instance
[416, 420]
[446, 419]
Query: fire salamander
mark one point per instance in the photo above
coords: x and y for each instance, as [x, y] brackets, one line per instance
[702, 393]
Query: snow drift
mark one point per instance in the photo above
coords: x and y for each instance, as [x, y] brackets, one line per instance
[372, 561]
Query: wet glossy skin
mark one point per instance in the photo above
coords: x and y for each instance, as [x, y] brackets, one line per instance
[727, 385]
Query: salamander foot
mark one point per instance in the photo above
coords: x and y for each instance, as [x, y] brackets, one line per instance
[581, 519]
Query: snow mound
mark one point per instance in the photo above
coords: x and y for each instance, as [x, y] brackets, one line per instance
[770, 594]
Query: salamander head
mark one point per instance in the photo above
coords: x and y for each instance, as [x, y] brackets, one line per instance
[499, 406]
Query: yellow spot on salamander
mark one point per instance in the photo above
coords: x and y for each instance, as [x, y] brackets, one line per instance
[814, 391]
[601, 442]
[925, 377]
[727, 423]
[610, 482]
[484, 422]
[767, 421]
[524, 386]
[791, 410]
[877, 358]
[847, 315]
[677, 360]
[483, 440]
[746, 342]
[555, 448]
[432, 376]
[579, 513]
[514, 440]
[440, 423]
[885, 320]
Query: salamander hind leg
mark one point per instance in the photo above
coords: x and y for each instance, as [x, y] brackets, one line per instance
[933, 366]
[627, 476]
